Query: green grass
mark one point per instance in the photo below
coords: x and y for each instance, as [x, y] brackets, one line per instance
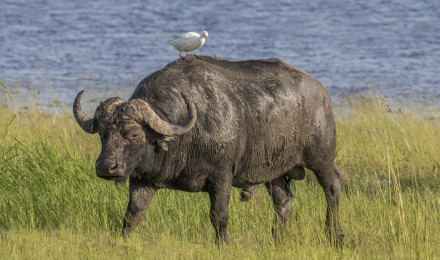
[52, 204]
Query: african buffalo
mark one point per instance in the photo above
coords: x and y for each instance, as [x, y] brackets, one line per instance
[206, 124]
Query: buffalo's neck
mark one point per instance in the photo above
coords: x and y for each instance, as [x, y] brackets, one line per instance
[161, 168]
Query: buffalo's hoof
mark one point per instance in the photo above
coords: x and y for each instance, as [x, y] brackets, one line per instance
[340, 238]
[245, 195]
[125, 234]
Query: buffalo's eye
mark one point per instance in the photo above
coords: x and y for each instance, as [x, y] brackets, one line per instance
[128, 135]
[131, 132]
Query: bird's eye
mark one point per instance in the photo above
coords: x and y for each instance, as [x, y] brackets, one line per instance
[134, 135]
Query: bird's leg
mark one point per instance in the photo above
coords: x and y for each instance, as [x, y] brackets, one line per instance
[180, 54]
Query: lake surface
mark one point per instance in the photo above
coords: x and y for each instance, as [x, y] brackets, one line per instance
[56, 48]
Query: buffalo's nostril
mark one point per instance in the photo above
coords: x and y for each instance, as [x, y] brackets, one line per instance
[114, 167]
[106, 168]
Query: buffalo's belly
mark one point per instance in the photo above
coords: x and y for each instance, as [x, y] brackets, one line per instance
[259, 175]
[265, 163]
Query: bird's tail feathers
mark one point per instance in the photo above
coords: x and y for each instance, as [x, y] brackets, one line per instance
[171, 41]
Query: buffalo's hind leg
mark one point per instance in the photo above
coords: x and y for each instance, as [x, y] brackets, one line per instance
[330, 180]
[282, 197]
[140, 198]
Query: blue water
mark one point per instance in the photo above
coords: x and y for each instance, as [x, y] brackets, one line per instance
[60, 47]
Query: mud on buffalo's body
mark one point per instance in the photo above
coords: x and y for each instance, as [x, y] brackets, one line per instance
[206, 124]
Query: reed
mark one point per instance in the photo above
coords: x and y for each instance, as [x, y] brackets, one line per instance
[52, 204]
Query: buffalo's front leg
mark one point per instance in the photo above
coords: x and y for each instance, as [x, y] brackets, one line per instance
[140, 198]
[219, 196]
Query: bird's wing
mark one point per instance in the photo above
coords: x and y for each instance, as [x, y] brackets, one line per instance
[184, 36]
[182, 44]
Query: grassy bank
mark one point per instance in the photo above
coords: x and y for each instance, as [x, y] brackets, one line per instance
[53, 205]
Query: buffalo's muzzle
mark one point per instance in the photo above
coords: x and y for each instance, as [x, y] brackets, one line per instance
[109, 169]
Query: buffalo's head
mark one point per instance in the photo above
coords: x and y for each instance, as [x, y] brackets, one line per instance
[129, 131]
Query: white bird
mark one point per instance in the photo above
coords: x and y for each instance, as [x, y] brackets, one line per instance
[188, 41]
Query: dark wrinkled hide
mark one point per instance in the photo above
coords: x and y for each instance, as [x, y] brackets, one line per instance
[243, 124]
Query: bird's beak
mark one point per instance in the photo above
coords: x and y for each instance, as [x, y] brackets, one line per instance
[207, 37]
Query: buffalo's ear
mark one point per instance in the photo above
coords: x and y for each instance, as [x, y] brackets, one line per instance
[158, 141]
[162, 143]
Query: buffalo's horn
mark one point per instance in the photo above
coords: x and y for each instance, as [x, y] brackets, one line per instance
[90, 125]
[150, 118]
